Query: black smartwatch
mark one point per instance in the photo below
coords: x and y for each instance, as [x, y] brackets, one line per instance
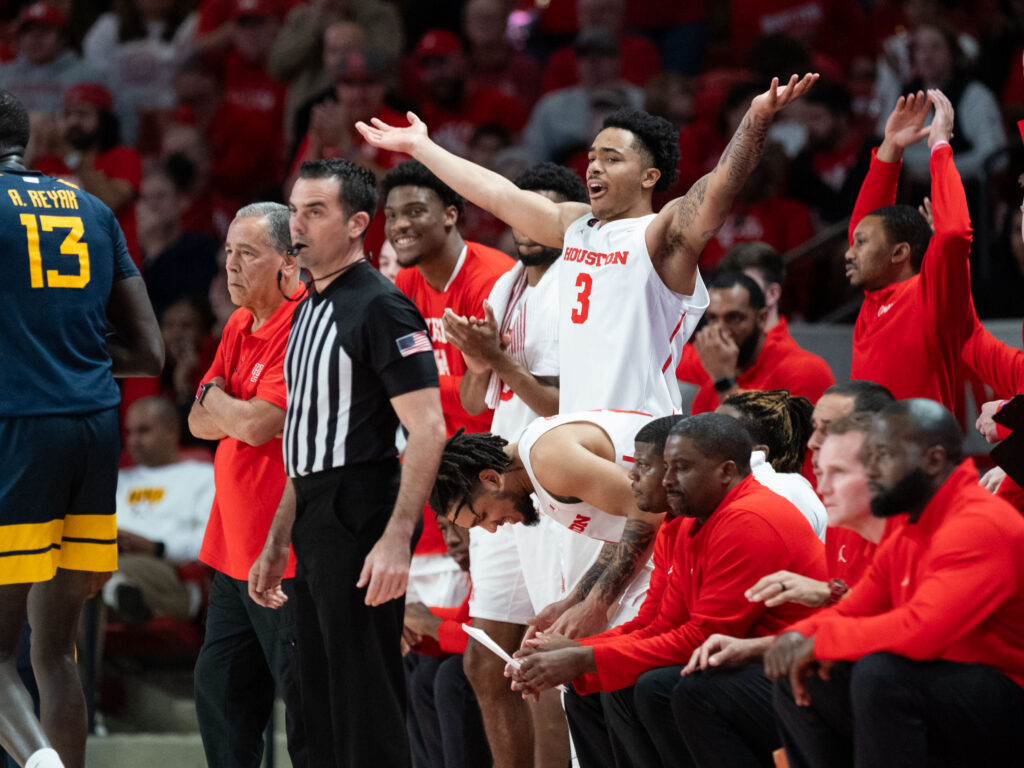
[203, 389]
[721, 385]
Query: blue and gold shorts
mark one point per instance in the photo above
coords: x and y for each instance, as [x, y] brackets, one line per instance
[58, 479]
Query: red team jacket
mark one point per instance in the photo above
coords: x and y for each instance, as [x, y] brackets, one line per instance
[909, 335]
[752, 532]
[946, 587]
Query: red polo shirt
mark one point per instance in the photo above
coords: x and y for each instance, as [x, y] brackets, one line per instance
[909, 335]
[249, 479]
[752, 532]
[946, 587]
[782, 364]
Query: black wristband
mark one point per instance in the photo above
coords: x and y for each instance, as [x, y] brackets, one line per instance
[724, 385]
[203, 389]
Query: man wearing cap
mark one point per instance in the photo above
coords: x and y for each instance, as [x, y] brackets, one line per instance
[563, 121]
[94, 158]
[358, 95]
[446, 101]
[46, 66]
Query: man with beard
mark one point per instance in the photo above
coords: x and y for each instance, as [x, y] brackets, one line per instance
[733, 531]
[934, 628]
[511, 353]
[738, 354]
[95, 159]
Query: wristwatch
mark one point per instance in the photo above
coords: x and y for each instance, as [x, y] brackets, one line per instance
[203, 389]
[724, 385]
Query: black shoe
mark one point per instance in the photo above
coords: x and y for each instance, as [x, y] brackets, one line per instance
[130, 605]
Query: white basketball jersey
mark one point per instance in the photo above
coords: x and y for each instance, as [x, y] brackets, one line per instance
[621, 329]
[621, 427]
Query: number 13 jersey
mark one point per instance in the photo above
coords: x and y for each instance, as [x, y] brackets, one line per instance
[621, 329]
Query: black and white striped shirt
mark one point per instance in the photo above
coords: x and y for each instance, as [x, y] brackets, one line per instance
[351, 349]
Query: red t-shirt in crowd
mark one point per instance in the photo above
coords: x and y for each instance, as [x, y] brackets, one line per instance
[250, 87]
[946, 587]
[639, 56]
[249, 479]
[909, 335]
[752, 532]
[119, 163]
[782, 364]
[382, 158]
[847, 554]
[782, 223]
[469, 285]
[246, 151]
[453, 130]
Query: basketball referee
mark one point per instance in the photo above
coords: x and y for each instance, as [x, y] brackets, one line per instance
[359, 359]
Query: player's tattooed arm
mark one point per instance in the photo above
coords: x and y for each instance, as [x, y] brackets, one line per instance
[593, 574]
[629, 556]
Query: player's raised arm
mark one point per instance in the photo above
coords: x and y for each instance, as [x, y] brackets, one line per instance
[541, 219]
[677, 236]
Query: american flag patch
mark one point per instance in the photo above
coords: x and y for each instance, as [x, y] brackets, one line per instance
[417, 341]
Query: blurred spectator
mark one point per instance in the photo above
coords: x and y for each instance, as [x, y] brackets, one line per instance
[937, 61]
[671, 95]
[488, 142]
[493, 60]
[339, 39]
[760, 213]
[640, 59]
[137, 46]
[94, 158]
[358, 95]
[246, 82]
[566, 121]
[163, 504]
[215, 27]
[189, 350]
[246, 146]
[829, 28]
[827, 173]
[184, 150]
[447, 103]
[175, 263]
[387, 262]
[46, 66]
[1000, 294]
[300, 56]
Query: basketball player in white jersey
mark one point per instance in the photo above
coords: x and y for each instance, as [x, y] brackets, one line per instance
[630, 293]
[578, 465]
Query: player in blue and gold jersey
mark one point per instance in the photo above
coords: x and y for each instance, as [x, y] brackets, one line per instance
[74, 315]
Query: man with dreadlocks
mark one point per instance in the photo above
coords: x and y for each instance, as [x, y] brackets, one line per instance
[577, 465]
[780, 426]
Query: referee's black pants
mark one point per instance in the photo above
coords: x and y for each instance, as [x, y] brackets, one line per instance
[350, 662]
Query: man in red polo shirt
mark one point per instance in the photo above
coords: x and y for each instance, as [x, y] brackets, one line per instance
[738, 354]
[917, 312]
[935, 628]
[248, 650]
[733, 531]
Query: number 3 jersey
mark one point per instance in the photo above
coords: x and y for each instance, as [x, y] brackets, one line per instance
[61, 251]
[621, 329]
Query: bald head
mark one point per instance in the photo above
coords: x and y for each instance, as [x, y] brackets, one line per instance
[151, 432]
[911, 448]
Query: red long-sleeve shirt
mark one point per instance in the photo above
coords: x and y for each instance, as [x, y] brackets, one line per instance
[847, 554]
[751, 533]
[451, 637]
[782, 364]
[909, 335]
[946, 587]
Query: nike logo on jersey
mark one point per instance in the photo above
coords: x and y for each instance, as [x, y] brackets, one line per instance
[883, 309]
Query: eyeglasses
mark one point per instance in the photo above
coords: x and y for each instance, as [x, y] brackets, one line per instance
[477, 518]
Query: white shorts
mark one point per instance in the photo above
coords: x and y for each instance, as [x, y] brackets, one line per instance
[554, 559]
[436, 580]
[499, 587]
